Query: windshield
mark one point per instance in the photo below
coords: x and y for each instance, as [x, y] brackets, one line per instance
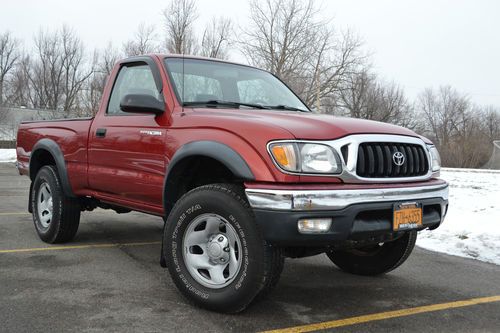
[217, 84]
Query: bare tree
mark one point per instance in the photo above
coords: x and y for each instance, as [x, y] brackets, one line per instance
[9, 54]
[179, 18]
[75, 70]
[216, 38]
[144, 41]
[463, 132]
[491, 122]
[19, 92]
[353, 99]
[108, 57]
[469, 147]
[45, 73]
[439, 109]
[337, 58]
[92, 90]
[287, 38]
[365, 96]
[103, 63]
[58, 70]
[280, 35]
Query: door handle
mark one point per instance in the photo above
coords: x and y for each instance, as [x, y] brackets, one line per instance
[100, 132]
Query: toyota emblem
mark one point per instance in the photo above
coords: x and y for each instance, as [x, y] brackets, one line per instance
[398, 158]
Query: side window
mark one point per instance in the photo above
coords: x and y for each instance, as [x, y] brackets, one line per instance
[137, 79]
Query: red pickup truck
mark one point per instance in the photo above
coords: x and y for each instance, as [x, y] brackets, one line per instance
[243, 173]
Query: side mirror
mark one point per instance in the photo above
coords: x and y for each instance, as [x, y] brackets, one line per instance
[139, 103]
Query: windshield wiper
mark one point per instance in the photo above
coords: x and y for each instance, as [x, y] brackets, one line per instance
[285, 107]
[223, 103]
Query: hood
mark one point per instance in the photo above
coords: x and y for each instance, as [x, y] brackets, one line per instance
[307, 126]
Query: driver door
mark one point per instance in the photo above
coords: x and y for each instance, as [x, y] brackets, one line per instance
[127, 151]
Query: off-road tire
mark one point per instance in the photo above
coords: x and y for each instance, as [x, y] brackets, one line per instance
[377, 259]
[276, 267]
[256, 273]
[65, 210]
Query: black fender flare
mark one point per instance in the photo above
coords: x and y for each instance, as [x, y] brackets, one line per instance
[213, 149]
[53, 148]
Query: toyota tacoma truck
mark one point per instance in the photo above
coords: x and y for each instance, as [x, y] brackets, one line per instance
[242, 172]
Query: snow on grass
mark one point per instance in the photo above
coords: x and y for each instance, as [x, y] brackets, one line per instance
[7, 155]
[472, 226]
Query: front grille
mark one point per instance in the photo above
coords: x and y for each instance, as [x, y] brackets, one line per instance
[376, 160]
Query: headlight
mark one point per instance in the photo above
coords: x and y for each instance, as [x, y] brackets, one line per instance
[436, 159]
[306, 157]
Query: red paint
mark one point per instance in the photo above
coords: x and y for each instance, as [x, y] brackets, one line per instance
[128, 168]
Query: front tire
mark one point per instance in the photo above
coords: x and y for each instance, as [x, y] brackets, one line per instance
[214, 250]
[55, 215]
[376, 259]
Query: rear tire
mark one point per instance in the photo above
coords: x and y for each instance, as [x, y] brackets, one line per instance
[55, 215]
[214, 250]
[376, 259]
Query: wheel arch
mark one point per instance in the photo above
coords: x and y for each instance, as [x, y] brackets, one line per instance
[220, 163]
[47, 152]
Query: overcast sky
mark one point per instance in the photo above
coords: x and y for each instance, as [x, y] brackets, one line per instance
[418, 44]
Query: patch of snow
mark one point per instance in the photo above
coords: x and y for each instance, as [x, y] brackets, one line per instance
[7, 155]
[472, 225]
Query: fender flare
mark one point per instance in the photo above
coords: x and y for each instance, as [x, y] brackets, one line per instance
[53, 148]
[213, 149]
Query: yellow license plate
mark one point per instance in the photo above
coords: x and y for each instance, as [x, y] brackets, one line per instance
[407, 216]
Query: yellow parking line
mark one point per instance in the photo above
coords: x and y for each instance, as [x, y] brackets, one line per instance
[28, 213]
[75, 247]
[386, 315]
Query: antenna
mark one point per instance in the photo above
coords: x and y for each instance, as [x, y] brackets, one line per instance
[183, 79]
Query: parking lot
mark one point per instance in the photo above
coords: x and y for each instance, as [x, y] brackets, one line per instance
[109, 279]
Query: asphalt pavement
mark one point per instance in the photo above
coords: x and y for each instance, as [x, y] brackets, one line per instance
[109, 279]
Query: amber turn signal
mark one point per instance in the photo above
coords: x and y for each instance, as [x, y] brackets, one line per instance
[284, 154]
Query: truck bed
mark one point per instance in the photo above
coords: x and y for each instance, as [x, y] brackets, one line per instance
[71, 135]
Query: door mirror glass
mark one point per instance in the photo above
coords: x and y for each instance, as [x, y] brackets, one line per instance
[141, 103]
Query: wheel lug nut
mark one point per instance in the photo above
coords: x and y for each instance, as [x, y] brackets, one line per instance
[222, 259]
[221, 239]
[226, 249]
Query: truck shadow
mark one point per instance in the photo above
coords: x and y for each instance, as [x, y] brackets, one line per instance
[107, 226]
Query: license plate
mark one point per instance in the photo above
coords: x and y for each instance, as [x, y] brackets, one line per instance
[407, 216]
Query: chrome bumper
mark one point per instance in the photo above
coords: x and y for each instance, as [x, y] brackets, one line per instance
[310, 200]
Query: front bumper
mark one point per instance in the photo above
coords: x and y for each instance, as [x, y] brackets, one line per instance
[358, 214]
